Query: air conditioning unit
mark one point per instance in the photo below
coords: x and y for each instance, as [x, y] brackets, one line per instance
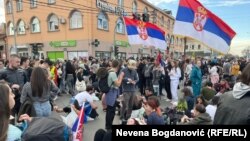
[62, 21]
[27, 26]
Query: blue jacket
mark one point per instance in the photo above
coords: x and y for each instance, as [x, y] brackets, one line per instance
[196, 78]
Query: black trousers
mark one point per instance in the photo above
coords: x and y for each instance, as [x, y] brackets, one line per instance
[168, 90]
[110, 114]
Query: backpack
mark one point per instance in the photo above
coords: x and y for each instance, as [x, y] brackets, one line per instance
[102, 75]
[47, 129]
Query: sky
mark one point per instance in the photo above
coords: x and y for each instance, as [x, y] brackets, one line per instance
[236, 13]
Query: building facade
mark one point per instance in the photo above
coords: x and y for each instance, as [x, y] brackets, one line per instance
[195, 48]
[67, 29]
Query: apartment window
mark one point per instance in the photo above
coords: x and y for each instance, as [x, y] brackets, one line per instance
[192, 47]
[19, 5]
[76, 20]
[134, 7]
[172, 40]
[145, 11]
[199, 47]
[33, 3]
[120, 26]
[9, 7]
[168, 24]
[51, 1]
[162, 21]
[21, 27]
[35, 25]
[102, 21]
[11, 28]
[120, 3]
[53, 23]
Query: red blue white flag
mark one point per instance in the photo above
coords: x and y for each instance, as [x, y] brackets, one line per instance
[145, 33]
[78, 127]
[195, 21]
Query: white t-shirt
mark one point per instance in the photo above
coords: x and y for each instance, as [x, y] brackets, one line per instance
[211, 109]
[83, 97]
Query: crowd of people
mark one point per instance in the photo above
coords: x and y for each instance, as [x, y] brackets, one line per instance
[213, 91]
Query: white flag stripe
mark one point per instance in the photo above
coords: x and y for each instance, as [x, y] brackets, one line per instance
[208, 38]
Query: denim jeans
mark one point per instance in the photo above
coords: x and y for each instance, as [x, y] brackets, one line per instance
[42, 109]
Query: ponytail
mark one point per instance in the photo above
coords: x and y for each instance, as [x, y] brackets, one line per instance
[158, 111]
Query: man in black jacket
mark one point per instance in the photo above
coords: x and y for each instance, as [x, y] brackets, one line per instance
[16, 79]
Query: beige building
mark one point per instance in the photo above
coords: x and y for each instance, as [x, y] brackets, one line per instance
[196, 48]
[67, 29]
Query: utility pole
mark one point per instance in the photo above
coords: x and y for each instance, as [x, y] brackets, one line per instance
[185, 45]
[13, 51]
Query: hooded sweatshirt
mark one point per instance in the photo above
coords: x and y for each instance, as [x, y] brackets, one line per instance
[240, 89]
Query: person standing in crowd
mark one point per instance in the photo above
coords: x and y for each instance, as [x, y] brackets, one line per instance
[189, 68]
[39, 91]
[148, 72]
[235, 69]
[175, 75]
[129, 86]
[233, 107]
[140, 71]
[70, 77]
[1, 64]
[196, 78]
[167, 69]
[158, 72]
[16, 78]
[110, 98]
[24, 65]
[213, 71]
[226, 69]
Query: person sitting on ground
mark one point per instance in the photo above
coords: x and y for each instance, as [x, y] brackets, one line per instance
[189, 98]
[153, 111]
[134, 121]
[200, 100]
[212, 107]
[208, 92]
[83, 99]
[200, 117]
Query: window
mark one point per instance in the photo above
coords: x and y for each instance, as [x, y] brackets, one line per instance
[76, 20]
[172, 40]
[120, 3]
[199, 47]
[162, 21]
[35, 25]
[33, 3]
[134, 7]
[21, 27]
[186, 47]
[9, 7]
[102, 21]
[51, 1]
[168, 24]
[19, 5]
[11, 28]
[168, 40]
[176, 41]
[192, 47]
[119, 26]
[180, 42]
[145, 11]
[53, 23]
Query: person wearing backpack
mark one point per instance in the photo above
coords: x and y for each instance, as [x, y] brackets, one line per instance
[111, 91]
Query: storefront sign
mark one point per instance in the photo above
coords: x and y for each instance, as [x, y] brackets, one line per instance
[69, 43]
[122, 43]
[105, 6]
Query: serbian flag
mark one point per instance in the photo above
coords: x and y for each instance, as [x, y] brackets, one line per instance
[78, 127]
[195, 21]
[145, 33]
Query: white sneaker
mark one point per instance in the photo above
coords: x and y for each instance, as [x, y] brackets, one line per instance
[168, 100]
[90, 119]
[55, 98]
